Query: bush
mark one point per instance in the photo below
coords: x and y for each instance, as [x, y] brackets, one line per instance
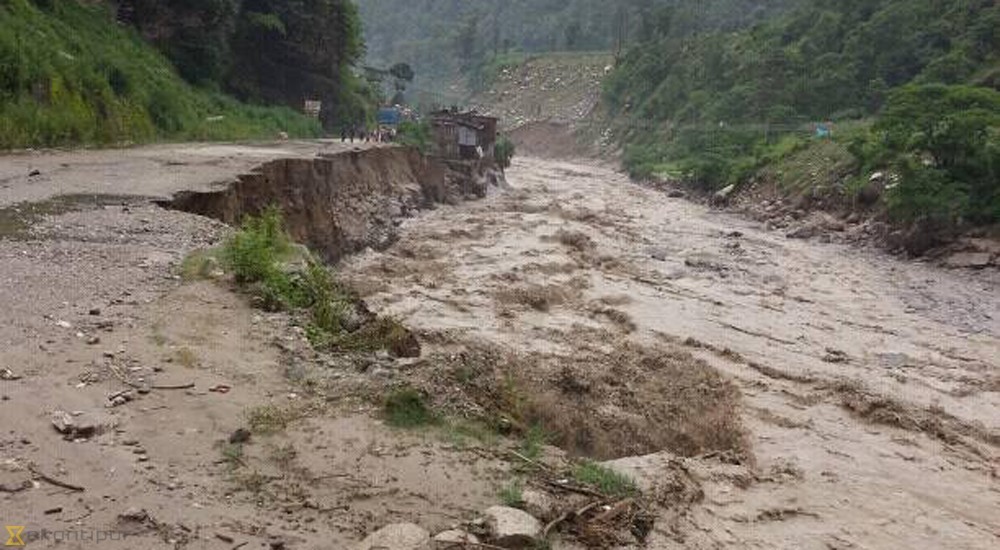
[504, 152]
[415, 134]
[604, 479]
[405, 408]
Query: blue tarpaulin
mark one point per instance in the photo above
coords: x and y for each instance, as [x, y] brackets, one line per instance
[389, 116]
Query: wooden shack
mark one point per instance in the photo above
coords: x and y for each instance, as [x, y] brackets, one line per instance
[464, 136]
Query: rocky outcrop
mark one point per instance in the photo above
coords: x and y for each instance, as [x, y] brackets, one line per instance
[343, 203]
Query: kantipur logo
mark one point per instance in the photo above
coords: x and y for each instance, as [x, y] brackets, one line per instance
[14, 535]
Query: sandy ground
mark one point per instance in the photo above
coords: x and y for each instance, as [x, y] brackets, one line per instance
[903, 454]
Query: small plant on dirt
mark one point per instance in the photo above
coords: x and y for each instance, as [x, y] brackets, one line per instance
[253, 252]
[283, 455]
[186, 358]
[267, 419]
[534, 441]
[604, 479]
[405, 408]
[512, 494]
[232, 455]
[198, 265]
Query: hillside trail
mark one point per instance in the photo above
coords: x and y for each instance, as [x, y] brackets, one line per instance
[870, 385]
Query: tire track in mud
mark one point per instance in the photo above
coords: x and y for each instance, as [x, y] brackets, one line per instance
[864, 412]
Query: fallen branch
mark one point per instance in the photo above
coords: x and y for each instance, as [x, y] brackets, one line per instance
[534, 463]
[187, 386]
[56, 482]
[575, 489]
[568, 515]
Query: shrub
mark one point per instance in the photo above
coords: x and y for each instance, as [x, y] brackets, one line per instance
[415, 134]
[405, 408]
[504, 152]
[604, 479]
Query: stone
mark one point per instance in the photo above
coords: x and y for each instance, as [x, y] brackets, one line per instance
[723, 195]
[82, 426]
[969, 260]
[804, 232]
[448, 539]
[398, 536]
[512, 528]
[539, 504]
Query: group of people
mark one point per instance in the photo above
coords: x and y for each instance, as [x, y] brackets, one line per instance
[361, 133]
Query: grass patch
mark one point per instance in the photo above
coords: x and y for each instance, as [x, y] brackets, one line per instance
[512, 494]
[232, 455]
[269, 419]
[534, 441]
[406, 408]
[257, 256]
[604, 479]
[199, 265]
[186, 358]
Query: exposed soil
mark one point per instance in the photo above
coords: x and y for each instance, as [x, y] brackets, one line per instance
[764, 392]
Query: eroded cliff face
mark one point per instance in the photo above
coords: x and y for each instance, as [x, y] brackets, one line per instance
[342, 203]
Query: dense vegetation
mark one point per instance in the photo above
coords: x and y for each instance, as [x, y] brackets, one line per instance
[68, 75]
[713, 107]
[84, 72]
[445, 39]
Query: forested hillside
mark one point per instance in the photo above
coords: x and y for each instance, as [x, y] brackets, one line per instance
[714, 107]
[75, 72]
[443, 39]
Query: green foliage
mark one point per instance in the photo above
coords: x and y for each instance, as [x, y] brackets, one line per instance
[405, 408]
[446, 38]
[604, 479]
[415, 134]
[69, 75]
[504, 151]
[512, 494]
[286, 51]
[252, 253]
[943, 143]
[714, 108]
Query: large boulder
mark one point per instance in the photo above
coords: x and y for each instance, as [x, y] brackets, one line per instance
[398, 536]
[512, 528]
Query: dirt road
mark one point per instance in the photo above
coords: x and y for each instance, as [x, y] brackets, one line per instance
[867, 411]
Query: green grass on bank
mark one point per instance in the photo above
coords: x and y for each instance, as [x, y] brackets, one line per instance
[69, 75]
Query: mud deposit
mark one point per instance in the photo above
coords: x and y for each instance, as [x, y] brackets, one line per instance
[863, 410]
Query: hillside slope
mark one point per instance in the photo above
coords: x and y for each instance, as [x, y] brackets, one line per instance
[70, 75]
[907, 87]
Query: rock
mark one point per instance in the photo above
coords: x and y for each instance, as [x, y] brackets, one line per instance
[95, 312]
[512, 528]
[93, 340]
[7, 374]
[723, 195]
[82, 426]
[539, 504]
[659, 254]
[398, 536]
[803, 232]
[241, 435]
[448, 539]
[134, 514]
[969, 260]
